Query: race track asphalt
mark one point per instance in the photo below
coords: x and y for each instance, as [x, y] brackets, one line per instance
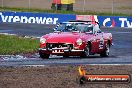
[121, 51]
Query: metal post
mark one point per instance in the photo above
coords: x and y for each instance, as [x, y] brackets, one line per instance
[29, 3]
[112, 6]
[56, 5]
[2, 4]
[84, 5]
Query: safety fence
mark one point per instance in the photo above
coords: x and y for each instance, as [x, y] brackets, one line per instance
[111, 6]
[45, 18]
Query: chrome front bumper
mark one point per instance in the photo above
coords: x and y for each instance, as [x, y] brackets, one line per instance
[65, 50]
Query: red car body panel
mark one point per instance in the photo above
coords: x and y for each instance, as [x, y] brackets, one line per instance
[71, 38]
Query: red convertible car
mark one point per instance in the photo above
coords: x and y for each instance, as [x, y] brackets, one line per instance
[76, 38]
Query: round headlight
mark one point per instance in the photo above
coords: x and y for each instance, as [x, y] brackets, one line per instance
[42, 40]
[79, 41]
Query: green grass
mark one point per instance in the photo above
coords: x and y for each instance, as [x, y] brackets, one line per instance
[16, 45]
[63, 11]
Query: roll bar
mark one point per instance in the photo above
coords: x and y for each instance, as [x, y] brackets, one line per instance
[84, 21]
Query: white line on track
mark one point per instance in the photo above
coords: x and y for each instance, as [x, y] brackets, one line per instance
[33, 65]
[7, 34]
[111, 64]
[24, 37]
[123, 32]
[82, 65]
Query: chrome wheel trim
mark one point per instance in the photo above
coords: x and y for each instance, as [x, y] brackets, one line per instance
[87, 51]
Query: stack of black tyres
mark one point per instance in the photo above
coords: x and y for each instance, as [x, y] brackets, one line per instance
[62, 5]
[68, 7]
[56, 6]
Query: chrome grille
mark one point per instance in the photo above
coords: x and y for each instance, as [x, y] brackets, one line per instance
[59, 45]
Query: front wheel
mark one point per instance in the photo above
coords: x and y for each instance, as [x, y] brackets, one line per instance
[43, 55]
[106, 52]
[86, 52]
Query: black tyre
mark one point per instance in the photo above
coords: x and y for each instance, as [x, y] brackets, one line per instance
[106, 52]
[86, 52]
[43, 55]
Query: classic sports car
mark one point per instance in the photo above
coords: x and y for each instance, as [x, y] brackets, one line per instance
[76, 38]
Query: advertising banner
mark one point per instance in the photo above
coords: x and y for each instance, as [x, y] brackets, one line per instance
[57, 1]
[108, 21]
[115, 21]
[45, 18]
[37, 18]
[87, 17]
[67, 1]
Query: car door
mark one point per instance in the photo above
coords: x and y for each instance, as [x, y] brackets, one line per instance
[100, 42]
[94, 44]
[99, 38]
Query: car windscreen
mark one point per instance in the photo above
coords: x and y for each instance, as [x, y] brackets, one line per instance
[84, 28]
[75, 27]
[66, 27]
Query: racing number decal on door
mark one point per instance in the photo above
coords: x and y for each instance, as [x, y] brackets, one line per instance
[101, 43]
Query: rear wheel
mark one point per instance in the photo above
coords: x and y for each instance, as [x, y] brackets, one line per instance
[43, 55]
[106, 52]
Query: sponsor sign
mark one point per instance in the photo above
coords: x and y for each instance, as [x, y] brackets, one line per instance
[57, 1]
[86, 17]
[102, 78]
[115, 21]
[45, 18]
[99, 78]
[108, 21]
[67, 1]
[37, 18]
